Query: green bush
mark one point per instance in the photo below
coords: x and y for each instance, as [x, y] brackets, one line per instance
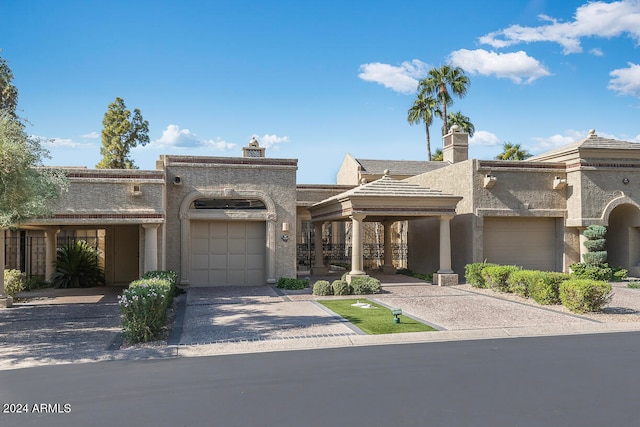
[495, 277]
[583, 270]
[144, 309]
[595, 258]
[340, 287]
[289, 283]
[365, 285]
[519, 282]
[595, 232]
[35, 282]
[427, 277]
[583, 295]
[595, 245]
[619, 274]
[546, 289]
[322, 288]
[14, 282]
[77, 267]
[169, 275]
[473, 273]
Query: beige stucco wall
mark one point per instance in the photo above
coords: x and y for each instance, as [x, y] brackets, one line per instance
[349, 172]
[274, 179]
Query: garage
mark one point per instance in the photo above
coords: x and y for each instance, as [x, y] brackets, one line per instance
[227, 253]
[526, 242]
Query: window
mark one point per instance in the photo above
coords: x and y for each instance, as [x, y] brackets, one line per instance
[229, 204]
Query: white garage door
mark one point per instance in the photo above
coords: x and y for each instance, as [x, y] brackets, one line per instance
[227, 253]
[527, 242]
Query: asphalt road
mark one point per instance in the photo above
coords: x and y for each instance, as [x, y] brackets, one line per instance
[587, 380]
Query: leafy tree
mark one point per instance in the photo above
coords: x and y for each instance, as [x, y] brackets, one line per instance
[423, 110]
[512, 152]
[442, 83]
[26, 188]
[8, 92]
[438, 155]
[461, 120]
[120, 134]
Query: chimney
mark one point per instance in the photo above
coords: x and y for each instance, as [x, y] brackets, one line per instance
[253, 150]
[455, 145]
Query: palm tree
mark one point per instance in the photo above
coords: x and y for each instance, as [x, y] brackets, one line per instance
[438, 155]
[423, 110]
[440, 81]
[512, 152]
[461, 120]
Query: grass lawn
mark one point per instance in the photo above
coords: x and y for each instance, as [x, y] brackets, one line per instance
[378, 320]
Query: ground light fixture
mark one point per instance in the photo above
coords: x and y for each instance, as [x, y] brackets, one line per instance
[396, 313]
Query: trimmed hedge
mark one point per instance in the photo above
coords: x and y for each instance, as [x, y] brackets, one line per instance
[519, 282]
[545, 291]
[365, 285]
[473, 273]
[495, 277]
[322, 288]
[292, 284]
[14, 281]
[583, 295]
[340, 287]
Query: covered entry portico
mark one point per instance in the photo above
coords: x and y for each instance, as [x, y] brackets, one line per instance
[386, 200]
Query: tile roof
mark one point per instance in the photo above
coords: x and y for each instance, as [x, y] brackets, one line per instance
[593, 141]
[398, 167]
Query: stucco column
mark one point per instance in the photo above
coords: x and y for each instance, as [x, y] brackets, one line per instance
[150, 247]
[582, 239]
[387, 267]
[185, 249]
[5, 301]
[445, 245]
[271, 249]
[50, 251]
[356, 245]
[318, 261]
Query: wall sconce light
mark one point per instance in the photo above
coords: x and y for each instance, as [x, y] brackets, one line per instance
[489, 180]
[136, 190]
[625, 180]
[285, 238]
[559, 183]
[177, 180]
[285, 227]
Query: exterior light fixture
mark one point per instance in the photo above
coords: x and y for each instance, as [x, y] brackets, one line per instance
[625, 180]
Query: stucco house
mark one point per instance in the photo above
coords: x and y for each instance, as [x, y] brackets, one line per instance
[244, 220]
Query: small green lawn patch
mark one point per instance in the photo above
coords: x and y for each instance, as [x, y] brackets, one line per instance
[378, 320]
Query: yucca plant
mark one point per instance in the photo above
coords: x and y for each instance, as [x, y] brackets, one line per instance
[77, 267]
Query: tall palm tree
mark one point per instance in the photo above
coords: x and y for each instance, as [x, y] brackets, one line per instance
[444, 82]
[461, 120]
[423, 110]
[438, 155]
[513, 152]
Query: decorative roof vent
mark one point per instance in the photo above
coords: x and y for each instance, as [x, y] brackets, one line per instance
[592, 132]
[253, 149]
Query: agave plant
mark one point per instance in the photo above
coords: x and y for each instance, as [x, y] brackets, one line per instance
[77, 267]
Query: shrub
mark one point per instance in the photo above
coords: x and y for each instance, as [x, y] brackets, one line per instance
[595, 232]
[583, 295]
[619, 274]
[546, 289]
[427, 277]
[14, 282]
[144, 309]
[595, 245]
[520, 281]
[583, 270]
[35, 282]
[634, 284]
[77, 267]
[289, 283]
[595, 258]
[365, 285]
[473, 273]
[322, 288]
[169, 275]
[340, 287]
[496, 277]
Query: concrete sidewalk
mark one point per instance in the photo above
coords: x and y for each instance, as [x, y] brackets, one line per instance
[69, 326]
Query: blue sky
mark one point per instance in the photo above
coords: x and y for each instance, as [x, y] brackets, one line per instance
[314, 80]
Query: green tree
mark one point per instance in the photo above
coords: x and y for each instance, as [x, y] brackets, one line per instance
[442, 83]
[461, 120]
[438, 155]
[512, 152]
[8, 92]
[120, 134]
[26, 188]
[422, 111]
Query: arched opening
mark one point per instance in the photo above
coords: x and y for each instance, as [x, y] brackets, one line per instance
[623, 238]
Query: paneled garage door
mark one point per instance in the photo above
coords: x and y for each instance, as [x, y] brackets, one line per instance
[527, 242]
[227, 253]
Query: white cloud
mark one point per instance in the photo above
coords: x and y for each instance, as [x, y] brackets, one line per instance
[174, 137]
[596, 52]
[626, 81]
[92, 135]
[403, 79]
[50, 143]
[483, 137]
[593, 19]
[515, 66]
[271, 141]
